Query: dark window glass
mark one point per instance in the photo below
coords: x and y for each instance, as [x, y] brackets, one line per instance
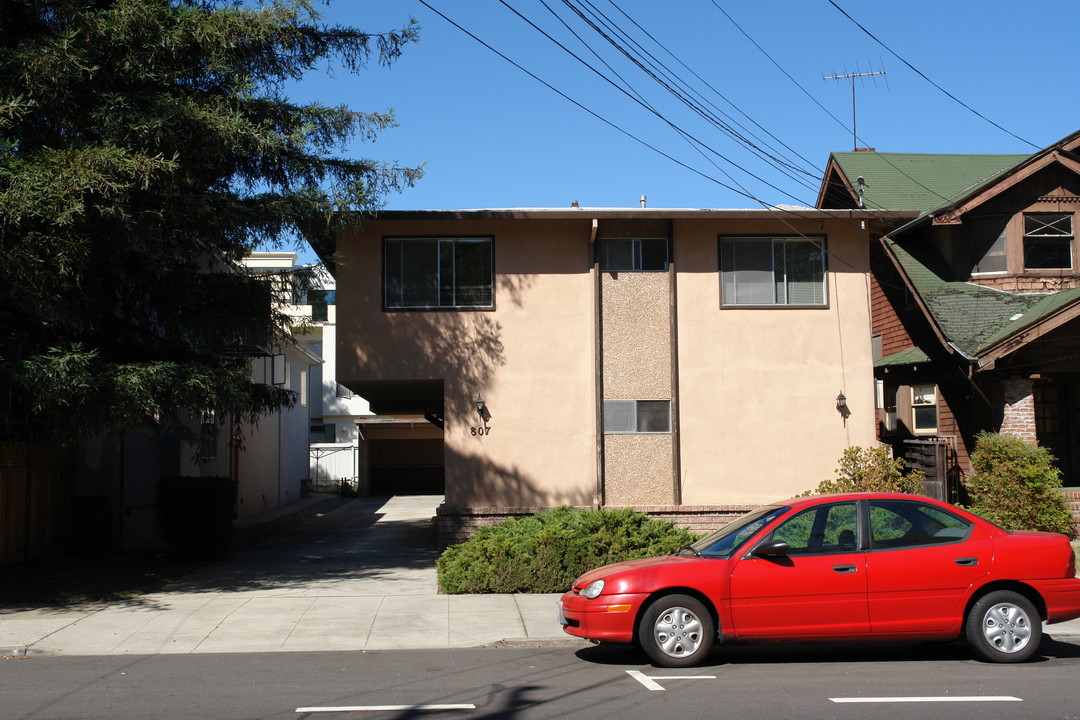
[823, 529]
[772, 271]
[1048, 241]
[905, 523]
[634, 254]
[438, 273]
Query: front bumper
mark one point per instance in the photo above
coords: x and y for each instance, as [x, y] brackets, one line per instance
[609, 618]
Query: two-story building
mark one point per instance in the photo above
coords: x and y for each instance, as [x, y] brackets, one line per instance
[690, 363]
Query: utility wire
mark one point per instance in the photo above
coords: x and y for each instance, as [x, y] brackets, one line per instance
[642, 104]
[662, 68]
[924, 77]
[794, 152]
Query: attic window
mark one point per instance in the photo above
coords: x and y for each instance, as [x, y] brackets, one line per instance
[986, 238]
[1048, 241]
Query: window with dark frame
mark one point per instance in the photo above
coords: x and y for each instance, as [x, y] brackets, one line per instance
[637, 416]
[438, 273]
[1048, 240]
[773, 271]
[633, 255]
[987, 244]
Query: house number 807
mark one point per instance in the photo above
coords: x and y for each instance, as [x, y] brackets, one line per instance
[480, 431]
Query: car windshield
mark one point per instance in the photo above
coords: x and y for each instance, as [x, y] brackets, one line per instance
[725, 541]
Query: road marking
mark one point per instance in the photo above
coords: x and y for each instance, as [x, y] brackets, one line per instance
[383, 708]
[945, 698]
[651, 684]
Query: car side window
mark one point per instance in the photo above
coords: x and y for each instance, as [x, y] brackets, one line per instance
[825, 529]
[903, 523]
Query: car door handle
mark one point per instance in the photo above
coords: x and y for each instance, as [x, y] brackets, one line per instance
[847, 569]
[967, 561]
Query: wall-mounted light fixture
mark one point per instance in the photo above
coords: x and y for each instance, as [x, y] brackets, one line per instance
[482, 409]
[842, 406]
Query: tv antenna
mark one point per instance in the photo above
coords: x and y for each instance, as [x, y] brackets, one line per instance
[851, 77]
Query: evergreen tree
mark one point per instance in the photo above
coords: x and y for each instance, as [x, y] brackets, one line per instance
[145, 146]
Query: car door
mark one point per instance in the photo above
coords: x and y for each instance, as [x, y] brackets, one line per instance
[921, 562]
[815, 589]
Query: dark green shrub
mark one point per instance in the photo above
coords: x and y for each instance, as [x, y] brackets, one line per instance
[545, 552]
[195, 514]
[872, 470]
[1015, 484]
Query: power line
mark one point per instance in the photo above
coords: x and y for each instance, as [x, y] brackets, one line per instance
[924, 77]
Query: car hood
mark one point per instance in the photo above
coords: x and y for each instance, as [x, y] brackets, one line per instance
[635, 575]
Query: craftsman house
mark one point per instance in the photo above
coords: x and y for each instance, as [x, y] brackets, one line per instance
[691, 363]
[976, 302]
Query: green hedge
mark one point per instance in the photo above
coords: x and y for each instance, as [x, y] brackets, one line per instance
[1016, 485]
[196, 514]
[544, 553]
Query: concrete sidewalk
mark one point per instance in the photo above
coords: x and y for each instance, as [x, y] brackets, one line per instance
[359, 577]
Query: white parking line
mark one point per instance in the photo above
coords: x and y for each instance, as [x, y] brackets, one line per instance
[945, 698]
[651, 684]
[382, 708]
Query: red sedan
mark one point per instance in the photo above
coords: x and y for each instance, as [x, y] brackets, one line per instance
[860, 566]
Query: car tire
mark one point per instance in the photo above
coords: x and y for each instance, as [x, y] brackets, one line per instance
[676, 631]
[1004, 627]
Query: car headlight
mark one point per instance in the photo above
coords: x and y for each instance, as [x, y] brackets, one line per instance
[595, 588]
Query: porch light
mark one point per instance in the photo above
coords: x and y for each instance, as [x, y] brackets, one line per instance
[841, 401]
[481, 408]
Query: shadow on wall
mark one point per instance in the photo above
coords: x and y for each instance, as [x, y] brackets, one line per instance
[485, 479]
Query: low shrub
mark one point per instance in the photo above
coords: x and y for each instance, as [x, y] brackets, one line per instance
[1015, 484]
[544, 553]
[872, 470]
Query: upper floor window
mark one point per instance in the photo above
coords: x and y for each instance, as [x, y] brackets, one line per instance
[438, 272]
[1048, 240]
[633, 254]
[773, 271]
[987, 239]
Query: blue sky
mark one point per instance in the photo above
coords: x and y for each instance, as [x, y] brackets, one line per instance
[490, 135]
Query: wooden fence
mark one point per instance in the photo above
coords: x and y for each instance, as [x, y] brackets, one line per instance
[37, 486]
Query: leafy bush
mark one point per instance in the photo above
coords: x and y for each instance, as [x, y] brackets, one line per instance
[545, 552]
[1015, 484]
[872, 470]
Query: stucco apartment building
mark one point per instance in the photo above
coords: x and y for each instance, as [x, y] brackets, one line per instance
[689, 363]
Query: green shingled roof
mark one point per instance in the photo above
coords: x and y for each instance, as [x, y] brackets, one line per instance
[911, 356]
[974, 317]
[917, 181]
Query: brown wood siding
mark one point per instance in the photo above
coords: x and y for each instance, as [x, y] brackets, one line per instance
[36, 488]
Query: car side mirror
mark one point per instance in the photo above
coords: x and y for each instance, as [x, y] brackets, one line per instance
[771, 548]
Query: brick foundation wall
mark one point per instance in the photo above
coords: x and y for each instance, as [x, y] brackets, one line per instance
[1072, 501]
[456, 525]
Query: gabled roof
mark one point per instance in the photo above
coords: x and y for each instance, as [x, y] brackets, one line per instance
[906, 181]
[979, 321]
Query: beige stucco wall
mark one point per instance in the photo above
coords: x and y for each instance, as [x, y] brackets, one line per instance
[758, 387]
[531, 358]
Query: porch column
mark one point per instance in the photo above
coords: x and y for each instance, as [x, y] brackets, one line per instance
[1018, 413]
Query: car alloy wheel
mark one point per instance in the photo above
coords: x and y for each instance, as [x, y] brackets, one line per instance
[1003, 626]
[676, 631]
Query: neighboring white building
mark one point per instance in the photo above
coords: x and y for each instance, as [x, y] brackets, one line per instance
[335, 450]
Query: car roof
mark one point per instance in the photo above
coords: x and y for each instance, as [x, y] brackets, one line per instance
[806, 500]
